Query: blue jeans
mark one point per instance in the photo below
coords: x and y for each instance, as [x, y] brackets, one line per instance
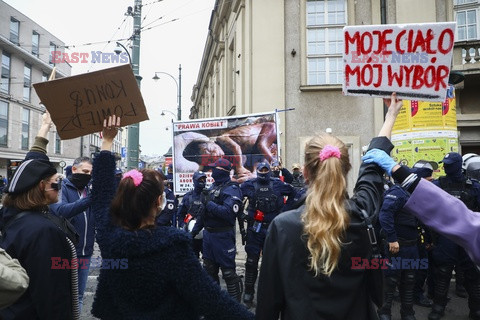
[83, 269]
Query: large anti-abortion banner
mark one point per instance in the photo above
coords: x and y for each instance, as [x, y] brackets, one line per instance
[79, 104]
[243, 140]
[425, 131]
[410, 59]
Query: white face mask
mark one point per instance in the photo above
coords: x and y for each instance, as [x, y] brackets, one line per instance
[164, 201]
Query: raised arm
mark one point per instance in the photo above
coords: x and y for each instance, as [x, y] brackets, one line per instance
[103, 175]
[394, 106]
[39, 147]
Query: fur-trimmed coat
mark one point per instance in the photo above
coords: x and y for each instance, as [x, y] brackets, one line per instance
[163, 279]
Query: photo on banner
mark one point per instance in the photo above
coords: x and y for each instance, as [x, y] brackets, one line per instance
[243, 140]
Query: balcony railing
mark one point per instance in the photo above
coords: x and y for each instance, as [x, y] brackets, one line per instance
[466, 53]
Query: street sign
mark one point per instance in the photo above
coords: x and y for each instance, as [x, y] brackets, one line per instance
[124, 152]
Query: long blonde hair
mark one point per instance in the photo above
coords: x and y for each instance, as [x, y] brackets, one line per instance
[325, 218]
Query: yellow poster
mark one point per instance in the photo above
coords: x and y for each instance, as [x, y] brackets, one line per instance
[425, 131]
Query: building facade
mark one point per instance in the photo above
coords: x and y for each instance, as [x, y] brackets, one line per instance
[466, 59]
[273, 54]
[25, 50]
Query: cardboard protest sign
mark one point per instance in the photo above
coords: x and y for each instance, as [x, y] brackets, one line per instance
[243, 140]
[411, 59]
[79, 104]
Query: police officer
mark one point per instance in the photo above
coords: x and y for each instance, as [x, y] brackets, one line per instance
[192, 210]
[400, 229]
[170, 177]
[224, 203]
[265, 195]
[298, 179]
[424, 247]
[285, 176]
[446, 254]
[168, 215]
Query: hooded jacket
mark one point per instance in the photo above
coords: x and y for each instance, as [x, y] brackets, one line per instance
[163, 280]
[286, 286]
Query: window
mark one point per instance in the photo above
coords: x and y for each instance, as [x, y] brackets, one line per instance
[25, 127]
[3, 123]
[467, 25]
[14, 30]
[27, 82]
[325, 21]
[5, 78]
[53, 48]
[457, 2]
[58, 143]
[35, 43]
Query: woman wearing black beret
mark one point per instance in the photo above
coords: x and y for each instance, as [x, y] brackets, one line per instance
[34, 237]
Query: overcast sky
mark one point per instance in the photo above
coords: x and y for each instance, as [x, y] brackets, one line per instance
[163, 48]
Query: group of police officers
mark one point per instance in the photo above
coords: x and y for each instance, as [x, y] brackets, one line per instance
[211, 216]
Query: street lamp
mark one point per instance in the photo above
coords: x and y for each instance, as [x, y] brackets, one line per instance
[179, 90]
[118, 51]
[173, 114]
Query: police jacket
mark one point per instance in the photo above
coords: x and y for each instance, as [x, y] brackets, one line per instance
[224, 202]
[266, 197]
[163, 280]
[397, 223]
[35, 240]
[75, 206]
[286, 286]
[168, 215]
[466, 190]
[193, 203]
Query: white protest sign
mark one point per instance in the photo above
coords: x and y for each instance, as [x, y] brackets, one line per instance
[411, 59]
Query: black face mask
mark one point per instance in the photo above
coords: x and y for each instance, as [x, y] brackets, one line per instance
[296, 174]
[219, 175]
[80, 180]
[276, 173]
[263, 177]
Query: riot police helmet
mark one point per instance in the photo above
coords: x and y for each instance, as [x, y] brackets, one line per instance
[469, 158]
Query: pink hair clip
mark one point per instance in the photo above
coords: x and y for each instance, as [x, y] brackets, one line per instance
[136, 176]
[329, 151]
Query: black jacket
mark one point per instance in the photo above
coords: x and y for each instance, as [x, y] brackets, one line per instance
[35, 240]
[286, 286]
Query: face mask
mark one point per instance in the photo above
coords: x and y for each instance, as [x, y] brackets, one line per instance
[453, 170]
[219, 174]
[276, 173]
[296, 174]
[200, 185]
[263, 176]
[80, 180]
